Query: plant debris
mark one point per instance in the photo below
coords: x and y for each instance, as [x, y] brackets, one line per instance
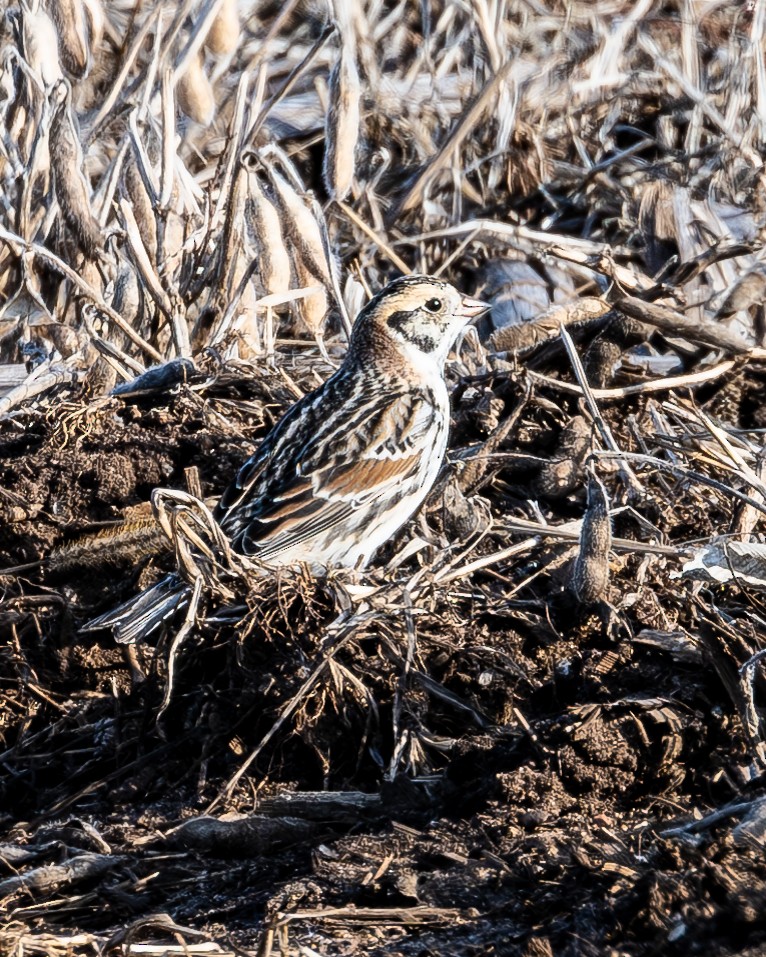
[536, 724]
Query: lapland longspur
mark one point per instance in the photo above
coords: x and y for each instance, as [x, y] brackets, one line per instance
[349, 463]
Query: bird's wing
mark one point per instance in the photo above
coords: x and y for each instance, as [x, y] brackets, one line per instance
[325, 460]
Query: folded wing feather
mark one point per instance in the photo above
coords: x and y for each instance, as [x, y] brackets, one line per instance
[319, 483]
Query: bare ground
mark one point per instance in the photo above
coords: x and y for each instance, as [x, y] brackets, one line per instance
[556, 764]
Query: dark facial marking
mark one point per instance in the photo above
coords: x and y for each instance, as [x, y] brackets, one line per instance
[424, 342]
[401, 321]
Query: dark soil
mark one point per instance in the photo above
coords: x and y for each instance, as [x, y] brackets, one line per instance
[555, 761]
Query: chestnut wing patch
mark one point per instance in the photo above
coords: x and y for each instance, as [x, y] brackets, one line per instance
[319, 467]
[359, 481]
[327, 502]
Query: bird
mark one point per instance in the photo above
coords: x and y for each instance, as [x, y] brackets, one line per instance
[349, 463]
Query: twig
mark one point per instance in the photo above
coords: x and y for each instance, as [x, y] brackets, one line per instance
[370, 233]
[684, 473]
[290, 82]
[709, 820]
[669, 320]
[119, 84]
[570, 532]
[668, 384]
[44, 377]
[606, 432]
[470, 118]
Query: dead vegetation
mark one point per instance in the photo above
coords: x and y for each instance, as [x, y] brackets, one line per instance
[536, 726]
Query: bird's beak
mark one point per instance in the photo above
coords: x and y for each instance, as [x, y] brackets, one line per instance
[472, 308]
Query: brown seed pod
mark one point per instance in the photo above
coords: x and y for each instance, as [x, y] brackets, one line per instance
[69, 17]
[460, 518]
[248, 324]
[302, 233]
[223, 37]
[195, 94]
[487, 412]
[134, 188]
[522, 337]
[127, 297]
[601, 360]
[237, 293]
[590, 574]
[41, 45]
[311, 310]
[128, 543]
[748, 290]
[264, 232]
[564, 472]
[72, 190]
[342, 125]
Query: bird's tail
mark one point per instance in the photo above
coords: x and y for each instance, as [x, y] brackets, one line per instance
[139, 616]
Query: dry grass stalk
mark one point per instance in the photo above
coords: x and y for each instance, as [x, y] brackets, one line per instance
[129, 62]
[470, 118]
[91, 294]
[667, 384]
[43, 378]
[564, 472]
[202, 550]
[142, 261]
[606, 432]
[245, 104]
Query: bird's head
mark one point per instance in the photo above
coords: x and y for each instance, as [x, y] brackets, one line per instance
[416, 317]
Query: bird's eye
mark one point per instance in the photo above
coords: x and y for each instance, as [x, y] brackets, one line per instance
[434, 305]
